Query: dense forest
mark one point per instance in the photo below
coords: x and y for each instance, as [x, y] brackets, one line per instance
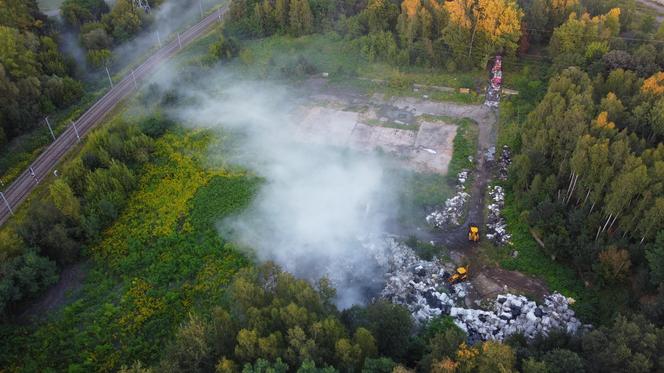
[411, 32]
[100, 27]
[587, 177]
[35, 78]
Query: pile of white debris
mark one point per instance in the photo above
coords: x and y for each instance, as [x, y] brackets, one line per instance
[451, 213]
[496, 224]
[514, 314]
[420, 285]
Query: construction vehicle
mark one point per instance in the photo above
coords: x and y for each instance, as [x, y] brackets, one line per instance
[460, 275]
[474, 233]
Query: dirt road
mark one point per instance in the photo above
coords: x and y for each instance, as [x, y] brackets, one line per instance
[41, 168]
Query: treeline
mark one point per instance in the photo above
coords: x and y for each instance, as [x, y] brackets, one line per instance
[101, 27]
[88, 197]
[35, 79]
[272, 322]
[589, 174]
[460, 34]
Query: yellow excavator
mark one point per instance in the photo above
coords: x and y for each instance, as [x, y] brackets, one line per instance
[460, 275]
[474, 233]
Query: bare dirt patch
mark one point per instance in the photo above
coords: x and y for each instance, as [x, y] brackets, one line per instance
[70, 282]
[420, 144]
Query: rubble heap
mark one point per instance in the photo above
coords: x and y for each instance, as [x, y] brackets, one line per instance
[514, 314]
[454, 208]
[496, 224]
[420, 285]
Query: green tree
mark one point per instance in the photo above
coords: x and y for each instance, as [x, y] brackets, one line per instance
[480, 28]
[381, 15]
[24, 276]
[78, 12]
[301, 18]
[123, 21]
[391, 325]
[627, 346]
[655, 257]
[563, 361]
[281, 13]
[190, 349]
[64, 199]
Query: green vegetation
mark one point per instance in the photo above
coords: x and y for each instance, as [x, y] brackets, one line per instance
[140, 203]
[161, 259]
[101, 27]
[465, 147]
[418, 192]
[35, 79]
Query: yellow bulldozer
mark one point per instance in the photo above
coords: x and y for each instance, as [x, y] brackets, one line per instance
[473, 233]
[460, 275]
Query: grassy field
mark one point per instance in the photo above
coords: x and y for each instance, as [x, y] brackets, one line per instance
[161, 259]
[287, 58]
[465, 146]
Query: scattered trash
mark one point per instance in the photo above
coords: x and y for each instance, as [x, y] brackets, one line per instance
[496, 224]
[504, 163]
[430, 151]
[454, 208]
[495, 83]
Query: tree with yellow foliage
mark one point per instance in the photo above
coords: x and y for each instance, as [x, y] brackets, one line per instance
[654, 85]
[480, 28]
[419, 28]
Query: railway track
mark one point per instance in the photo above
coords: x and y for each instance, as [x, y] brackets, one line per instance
[20, 189]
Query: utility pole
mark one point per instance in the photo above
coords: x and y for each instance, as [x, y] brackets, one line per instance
[109, 77]
[219, 14]
[179, 41]
[78, 136]
[200, 6]
[7, 203]
[158, 39]
[48, 124]
[134, 78]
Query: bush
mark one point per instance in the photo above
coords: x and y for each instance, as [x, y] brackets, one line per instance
[24, 276]
[54, 234]
[224, 49]
[155, 126]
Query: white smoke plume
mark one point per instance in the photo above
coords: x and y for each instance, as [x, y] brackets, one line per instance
[321, 210]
